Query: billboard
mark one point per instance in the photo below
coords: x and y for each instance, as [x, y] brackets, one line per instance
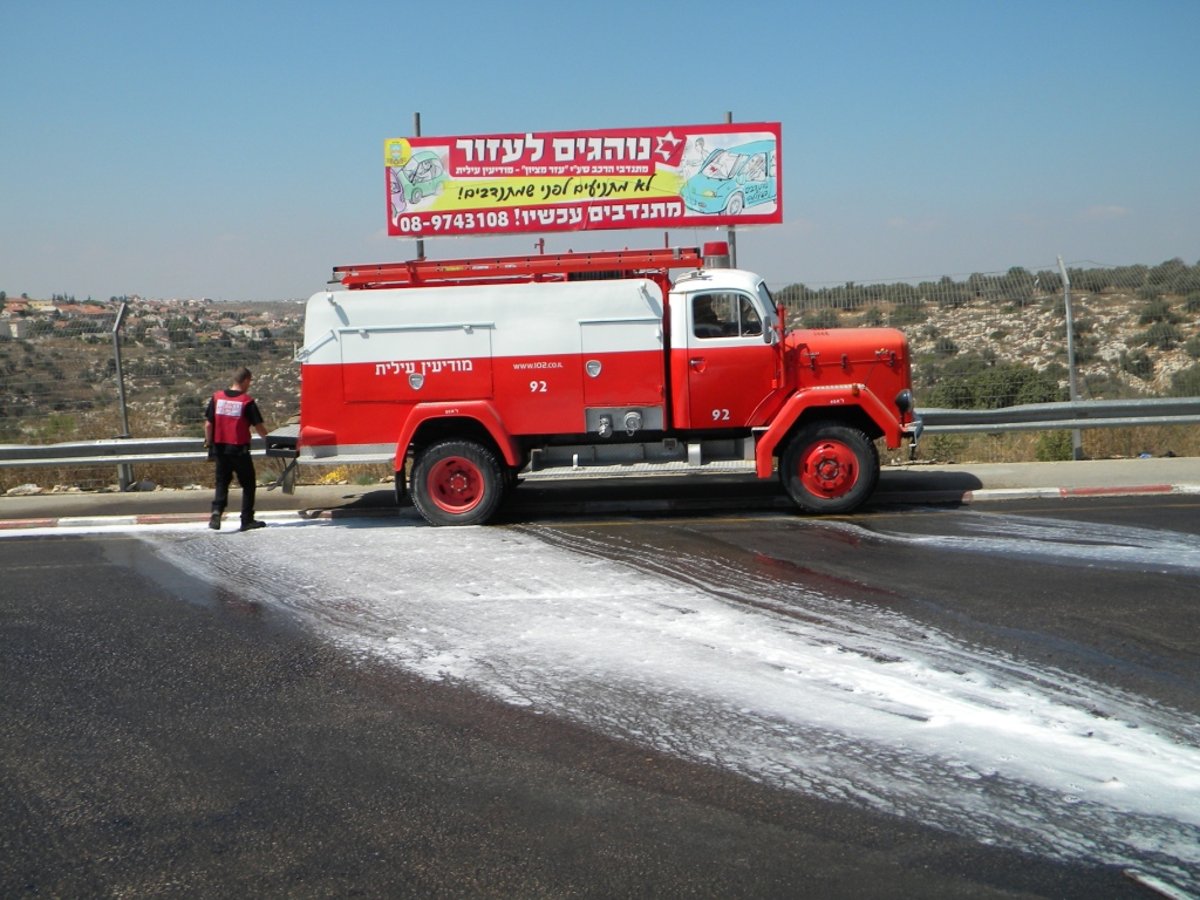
[676, 177]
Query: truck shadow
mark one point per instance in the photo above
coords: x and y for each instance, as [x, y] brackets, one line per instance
[654, 496]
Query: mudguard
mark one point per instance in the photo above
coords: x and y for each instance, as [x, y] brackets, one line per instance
[480, 411]
[833, 397]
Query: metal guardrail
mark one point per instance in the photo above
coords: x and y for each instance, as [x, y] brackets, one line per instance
[1069, 415]
[1082, 414]
[115, 451]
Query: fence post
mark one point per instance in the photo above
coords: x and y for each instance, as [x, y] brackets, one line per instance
[124, 470]
[1073, 388]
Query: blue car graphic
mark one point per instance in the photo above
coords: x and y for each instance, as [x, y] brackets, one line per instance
[733, 179]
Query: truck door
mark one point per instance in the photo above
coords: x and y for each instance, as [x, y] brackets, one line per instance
[731, 367]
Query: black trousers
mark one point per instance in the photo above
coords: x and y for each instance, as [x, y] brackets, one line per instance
[241, 465]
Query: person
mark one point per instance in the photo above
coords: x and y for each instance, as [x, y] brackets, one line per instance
[230, 415]
[707, 320]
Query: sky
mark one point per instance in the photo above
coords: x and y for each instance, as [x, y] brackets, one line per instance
[233, 150]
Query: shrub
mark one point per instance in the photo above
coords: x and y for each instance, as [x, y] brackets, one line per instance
[1137, 364]
[189, 409]
[1054, 446]
[1161, 336]
[872, 317]
[821, 318]
[1158, 310]
[1186, 383]
[971, 382]
[945, 347]
[907, 315]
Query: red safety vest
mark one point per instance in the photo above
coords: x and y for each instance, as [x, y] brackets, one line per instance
[230, 425]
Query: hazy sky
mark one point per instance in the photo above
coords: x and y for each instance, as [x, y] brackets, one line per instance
[234, 149]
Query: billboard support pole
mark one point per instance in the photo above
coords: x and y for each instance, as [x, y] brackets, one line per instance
[417, 133]
[732, 238]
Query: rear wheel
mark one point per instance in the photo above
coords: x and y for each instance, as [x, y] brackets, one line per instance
[829, 468]
[457, 483]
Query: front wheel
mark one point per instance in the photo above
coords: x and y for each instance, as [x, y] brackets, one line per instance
[829, 468]
[457, 483]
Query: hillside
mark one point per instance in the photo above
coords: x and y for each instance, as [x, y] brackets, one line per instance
[982, 341]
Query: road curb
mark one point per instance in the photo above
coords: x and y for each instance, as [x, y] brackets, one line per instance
[984, 495]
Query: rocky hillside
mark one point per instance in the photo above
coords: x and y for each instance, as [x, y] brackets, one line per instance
[1115, 349]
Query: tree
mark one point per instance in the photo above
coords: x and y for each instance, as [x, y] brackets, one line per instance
[1157, 310]
[1017, 286]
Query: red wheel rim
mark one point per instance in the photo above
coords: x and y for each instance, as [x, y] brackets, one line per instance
[829, 469]
[455, 484]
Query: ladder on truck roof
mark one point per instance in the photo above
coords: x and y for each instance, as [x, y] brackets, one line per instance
[508, 269]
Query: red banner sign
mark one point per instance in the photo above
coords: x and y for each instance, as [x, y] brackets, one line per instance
[678, 177]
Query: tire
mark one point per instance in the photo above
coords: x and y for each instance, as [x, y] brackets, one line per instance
[457, 483]
[829, 468]
[735, 205]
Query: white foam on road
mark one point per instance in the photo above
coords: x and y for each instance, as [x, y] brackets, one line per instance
[1093, 544]
[792, 687]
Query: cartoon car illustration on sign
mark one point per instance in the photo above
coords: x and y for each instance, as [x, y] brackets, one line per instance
[732, 179]
[422, 176]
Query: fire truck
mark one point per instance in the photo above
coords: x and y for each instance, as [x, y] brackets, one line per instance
[466, 375]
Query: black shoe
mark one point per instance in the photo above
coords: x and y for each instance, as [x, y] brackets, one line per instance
[252, 524]
[214, 522]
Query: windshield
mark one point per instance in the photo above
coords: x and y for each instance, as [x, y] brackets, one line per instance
[721, 165]
[418, 169]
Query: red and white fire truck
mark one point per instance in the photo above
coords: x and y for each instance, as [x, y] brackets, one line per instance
[463, 374]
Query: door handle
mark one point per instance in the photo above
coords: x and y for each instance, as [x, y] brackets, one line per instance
[698, 363]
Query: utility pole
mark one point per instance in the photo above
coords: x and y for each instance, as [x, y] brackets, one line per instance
[124, 470]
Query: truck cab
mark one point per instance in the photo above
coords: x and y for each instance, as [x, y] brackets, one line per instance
[725, 356]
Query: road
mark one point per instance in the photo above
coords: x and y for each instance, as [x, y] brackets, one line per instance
[917, 701]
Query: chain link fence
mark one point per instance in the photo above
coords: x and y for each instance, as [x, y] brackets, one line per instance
[991, 340]
[984, 340]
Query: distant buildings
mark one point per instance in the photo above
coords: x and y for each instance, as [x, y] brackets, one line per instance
[162, 322]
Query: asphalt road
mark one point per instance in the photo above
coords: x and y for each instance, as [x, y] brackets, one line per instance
[164, 736]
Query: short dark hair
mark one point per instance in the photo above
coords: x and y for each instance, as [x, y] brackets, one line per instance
[241, 375]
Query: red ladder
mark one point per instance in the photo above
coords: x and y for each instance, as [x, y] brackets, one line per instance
[506, 269]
